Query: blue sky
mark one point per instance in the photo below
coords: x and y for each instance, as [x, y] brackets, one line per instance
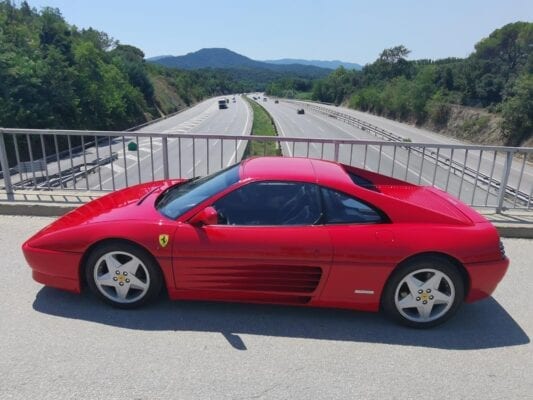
[355, 31]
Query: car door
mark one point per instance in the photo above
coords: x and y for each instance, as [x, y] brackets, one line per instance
[266, 246]
[364, 250]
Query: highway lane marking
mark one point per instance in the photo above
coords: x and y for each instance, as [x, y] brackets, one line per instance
[435, 136]
[314, 146]
[155, 144]
[116, 167]
[234, 156]
[188, 125]
[285, 136]
[184, 147]
[375, 148]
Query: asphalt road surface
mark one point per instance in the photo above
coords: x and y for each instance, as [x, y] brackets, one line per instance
[56, 345]
[186, 158]
[521, 173]
[384, 159]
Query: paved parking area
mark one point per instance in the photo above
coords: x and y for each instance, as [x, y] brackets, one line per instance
[55, 345]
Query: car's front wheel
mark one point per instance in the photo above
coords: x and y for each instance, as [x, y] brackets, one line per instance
[122, 275]
[424, 293]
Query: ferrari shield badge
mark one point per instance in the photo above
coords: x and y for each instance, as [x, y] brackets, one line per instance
[163, 239]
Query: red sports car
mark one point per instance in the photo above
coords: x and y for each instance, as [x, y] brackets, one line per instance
[278, 230]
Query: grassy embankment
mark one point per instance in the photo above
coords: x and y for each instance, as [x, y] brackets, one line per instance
[263, 125]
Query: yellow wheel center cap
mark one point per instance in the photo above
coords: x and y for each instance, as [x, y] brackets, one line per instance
[424, 296]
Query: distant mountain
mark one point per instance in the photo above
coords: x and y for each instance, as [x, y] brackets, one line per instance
[334, 64]
[158, 57]
[220, 58]
[207, 58]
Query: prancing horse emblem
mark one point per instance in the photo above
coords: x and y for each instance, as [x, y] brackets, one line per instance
[163, 239]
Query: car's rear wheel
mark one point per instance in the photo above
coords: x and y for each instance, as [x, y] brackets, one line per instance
[123, 275]
[424, 293]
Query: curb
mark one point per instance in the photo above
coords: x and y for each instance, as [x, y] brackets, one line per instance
[36, 210]
[513, 231]
[506, 230]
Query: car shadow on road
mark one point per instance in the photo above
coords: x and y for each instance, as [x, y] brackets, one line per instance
[481, 325]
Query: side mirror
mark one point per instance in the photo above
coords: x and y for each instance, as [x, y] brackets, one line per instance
[208, 216]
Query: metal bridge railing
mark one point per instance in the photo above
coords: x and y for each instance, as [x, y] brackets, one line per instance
[481, 176]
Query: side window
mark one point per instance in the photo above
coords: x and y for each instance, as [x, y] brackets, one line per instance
[341, 208]
[270, 203]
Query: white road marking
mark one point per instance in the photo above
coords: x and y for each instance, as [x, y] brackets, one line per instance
[376, 149]
[116, 168]
[286, 143]
[233, 157]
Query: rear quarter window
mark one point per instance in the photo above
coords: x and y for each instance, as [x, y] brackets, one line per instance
[340, 208]
[363, 182]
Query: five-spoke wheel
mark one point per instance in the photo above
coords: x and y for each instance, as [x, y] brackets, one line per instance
[123, 275]
[424, 292]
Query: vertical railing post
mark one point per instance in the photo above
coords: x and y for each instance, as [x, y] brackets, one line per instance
[5, 167]
[336, 153]
[503, 181]
[165, 157]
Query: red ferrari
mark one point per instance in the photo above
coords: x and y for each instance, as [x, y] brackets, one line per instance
[278, 230]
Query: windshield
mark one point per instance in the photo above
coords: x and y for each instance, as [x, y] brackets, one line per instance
[182, 197]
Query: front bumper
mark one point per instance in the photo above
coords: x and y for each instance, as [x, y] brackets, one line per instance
[484, 278]
[54, 268]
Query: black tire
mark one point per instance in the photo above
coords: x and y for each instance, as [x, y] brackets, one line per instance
[397, 288]
[147, 275]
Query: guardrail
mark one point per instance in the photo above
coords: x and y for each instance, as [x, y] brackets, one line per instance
[390, 136]
[501, 178]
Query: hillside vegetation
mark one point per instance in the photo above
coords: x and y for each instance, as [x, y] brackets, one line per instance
[54, 75]
[496, 79]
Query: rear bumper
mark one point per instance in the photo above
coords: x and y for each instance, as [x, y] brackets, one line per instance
[484, 278]
[54, 268]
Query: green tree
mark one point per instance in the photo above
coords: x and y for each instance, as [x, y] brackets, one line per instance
[518, 111]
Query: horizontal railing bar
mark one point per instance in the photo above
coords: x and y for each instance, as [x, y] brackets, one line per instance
[113, 161]
[503, 149]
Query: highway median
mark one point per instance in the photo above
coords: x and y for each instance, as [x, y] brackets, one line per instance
[263, 125]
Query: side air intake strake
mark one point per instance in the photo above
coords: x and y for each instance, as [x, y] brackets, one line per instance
[290, 279]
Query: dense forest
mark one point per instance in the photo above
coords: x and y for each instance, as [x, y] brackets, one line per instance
[54, 75]
[497, 76]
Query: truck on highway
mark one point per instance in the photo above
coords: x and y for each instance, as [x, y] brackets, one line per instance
[222, 104]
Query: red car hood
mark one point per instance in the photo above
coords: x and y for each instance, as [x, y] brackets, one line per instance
[132, 203]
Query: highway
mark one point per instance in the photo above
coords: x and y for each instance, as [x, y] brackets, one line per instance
[186, 159]
[113, 164]
[120, 167]
[390, 162]
[521, 173]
